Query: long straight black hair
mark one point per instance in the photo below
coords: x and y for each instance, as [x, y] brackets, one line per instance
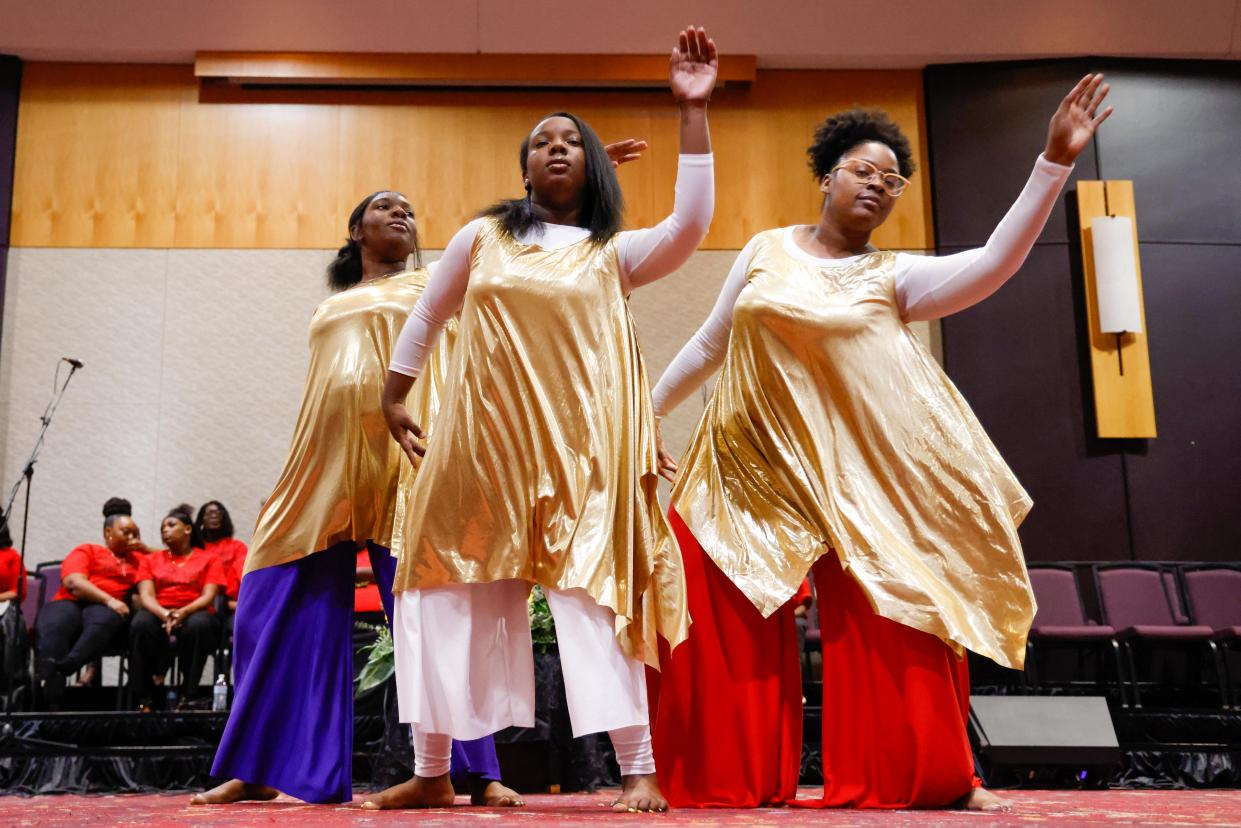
[603, 206]
[345, 270]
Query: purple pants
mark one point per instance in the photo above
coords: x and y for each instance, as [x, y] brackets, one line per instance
[291, 726]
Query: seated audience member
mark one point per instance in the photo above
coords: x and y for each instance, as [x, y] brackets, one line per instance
[12, 573]
[177, 587]
[89, 613]
[13, 639]
[215, 527]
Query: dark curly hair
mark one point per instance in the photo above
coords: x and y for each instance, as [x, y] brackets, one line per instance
[845, 130]
[114, 508]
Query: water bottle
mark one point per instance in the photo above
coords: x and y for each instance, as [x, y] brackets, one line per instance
[219, 694]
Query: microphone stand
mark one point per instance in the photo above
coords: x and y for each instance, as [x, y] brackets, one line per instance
[7, 731]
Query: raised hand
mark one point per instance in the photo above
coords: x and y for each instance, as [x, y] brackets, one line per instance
[693, 66]
[630, 149]
[1076, 119]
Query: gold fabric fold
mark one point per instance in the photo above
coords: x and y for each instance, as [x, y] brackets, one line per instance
[831, 426]
[339, 481]
[543, 463]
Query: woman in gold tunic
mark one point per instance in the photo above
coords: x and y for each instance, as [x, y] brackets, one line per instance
[833, 440]
[543, 466]
[291, 726]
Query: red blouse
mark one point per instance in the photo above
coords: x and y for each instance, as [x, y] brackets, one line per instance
[115, 576]
[232, 555]
[180, 579]
[366, 598]
[12, 574]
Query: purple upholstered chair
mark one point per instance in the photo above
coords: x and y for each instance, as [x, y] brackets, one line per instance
[50, 573]
[33, 600]
[1214, 592]
[1061, 621]
[1143, 603]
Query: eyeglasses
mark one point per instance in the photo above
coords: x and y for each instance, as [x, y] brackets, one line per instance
[864, 172]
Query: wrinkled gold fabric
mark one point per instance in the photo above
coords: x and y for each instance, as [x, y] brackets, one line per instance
[832, 427]
[543, 465]
[339, 481]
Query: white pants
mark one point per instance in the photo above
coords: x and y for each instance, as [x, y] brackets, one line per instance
[465, 669]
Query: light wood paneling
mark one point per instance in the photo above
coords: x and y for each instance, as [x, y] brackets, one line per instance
[1124, 400]
[97, 158]
[156, 164]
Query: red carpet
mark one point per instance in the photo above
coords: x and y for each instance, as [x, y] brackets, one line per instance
[1130, 808]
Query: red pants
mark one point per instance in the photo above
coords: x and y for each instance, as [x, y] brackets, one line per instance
[728, 721]
[895, 704]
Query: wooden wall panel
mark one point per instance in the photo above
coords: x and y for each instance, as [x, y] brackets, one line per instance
[97, 156]
[257, 175]
[160, 165]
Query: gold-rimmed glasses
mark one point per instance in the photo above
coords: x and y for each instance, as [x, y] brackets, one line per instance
[864, 172]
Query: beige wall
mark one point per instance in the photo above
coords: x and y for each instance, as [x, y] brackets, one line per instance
[194, 368]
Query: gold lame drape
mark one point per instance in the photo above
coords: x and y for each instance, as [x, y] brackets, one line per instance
[831, 427]
[339, 481]
[542, 465]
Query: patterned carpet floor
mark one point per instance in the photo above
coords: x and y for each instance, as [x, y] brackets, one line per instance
[1129, 808]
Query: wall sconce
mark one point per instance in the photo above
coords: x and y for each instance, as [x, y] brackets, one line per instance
[1116, 275]
[1119, 358]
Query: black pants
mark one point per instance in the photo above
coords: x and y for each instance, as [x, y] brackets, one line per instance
[151, 649]
[74, 634]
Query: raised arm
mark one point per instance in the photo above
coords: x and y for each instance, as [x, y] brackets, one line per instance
[930, 287]
[705, 350]
[647, 255]
[933, 287]
[439, 302]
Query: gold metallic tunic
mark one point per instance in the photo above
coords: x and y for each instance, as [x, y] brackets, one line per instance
[831, 427]
[544, 463]
[339, 481]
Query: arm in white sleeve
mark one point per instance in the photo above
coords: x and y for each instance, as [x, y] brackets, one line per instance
[706, 349]
[651, 254]
[442, 298]
[935, 286]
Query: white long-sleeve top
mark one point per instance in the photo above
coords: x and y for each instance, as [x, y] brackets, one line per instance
[645, 256]
[927, 287]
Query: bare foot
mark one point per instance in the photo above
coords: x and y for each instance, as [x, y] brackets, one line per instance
[497, 795]
[981, 799]
[234, 790]
[418, 792]
[640, 792]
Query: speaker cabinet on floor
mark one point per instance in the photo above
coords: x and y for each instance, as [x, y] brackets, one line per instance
[1039, 733]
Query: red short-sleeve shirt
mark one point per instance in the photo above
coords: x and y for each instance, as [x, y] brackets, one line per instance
[232, 555]
[803, 597]
[114, 575]
[366, 598]
[180, 579]
[12, 575]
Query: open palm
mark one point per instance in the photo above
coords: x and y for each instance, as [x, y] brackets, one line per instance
[1076, 119]
[693, 66]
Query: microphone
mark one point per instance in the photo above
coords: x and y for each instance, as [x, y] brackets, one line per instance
[76, 363]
